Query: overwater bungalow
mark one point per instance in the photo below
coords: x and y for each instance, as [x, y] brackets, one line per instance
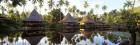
[87, 23]
[69, 23]
[34, 21]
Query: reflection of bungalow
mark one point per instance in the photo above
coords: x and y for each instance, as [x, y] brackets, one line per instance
[86, 33]
[87, 22]
[34, 21]
[69, 37]
[69, 23]
[33, 40]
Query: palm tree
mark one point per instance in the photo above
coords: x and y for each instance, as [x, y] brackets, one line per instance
[14, 2]
[72, 9]
[85, 5]
[104, 8]
[96, 6]
[66, 4]
[130, 18]
[41, 4]
[60, 3]
[50, 4]
[90, 12]
[3, 9]
[23, 13]
[23, 4]
[128, 4]
[133, 4]
[34, 1]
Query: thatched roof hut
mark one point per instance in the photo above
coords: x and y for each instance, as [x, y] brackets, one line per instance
[69, 23]
[34, 21]
[87, 19]
[87, 23]
[68, 19]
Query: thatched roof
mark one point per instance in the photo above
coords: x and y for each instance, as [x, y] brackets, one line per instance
[68, 18]
[87, 19]
[34, 16]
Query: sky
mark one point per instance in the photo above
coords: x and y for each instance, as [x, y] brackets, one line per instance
[111, 5]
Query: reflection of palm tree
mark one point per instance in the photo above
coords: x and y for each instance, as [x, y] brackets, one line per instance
[11, 39]
[54, 37]
[2, 39]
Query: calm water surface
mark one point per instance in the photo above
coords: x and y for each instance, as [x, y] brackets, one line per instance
[58, 38]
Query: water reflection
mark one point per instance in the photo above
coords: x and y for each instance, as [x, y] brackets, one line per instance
[54, 37]
[61, 38]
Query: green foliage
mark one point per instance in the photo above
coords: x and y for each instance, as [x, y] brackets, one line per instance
[12, 20]
[48, 18]
[8, 24]
[57, 15]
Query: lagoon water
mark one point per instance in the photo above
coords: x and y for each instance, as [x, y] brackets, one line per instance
[96, 38]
